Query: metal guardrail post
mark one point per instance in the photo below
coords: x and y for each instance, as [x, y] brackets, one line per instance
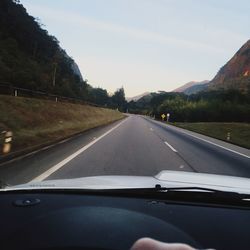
[7, 142]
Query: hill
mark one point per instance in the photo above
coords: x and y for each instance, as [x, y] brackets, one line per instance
[33, 59]
[192, 87]
[235, 74]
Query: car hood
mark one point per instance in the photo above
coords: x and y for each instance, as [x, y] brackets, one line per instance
[164, 178]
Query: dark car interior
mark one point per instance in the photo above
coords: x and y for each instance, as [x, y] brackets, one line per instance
[63, 219]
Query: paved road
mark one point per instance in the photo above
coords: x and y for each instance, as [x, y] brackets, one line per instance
[134, 146]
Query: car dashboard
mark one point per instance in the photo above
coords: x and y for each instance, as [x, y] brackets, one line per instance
[63, 220]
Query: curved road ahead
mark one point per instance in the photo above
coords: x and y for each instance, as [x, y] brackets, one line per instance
[134, 146]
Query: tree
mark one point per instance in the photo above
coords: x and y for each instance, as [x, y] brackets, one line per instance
[98, 96]
[118, 100]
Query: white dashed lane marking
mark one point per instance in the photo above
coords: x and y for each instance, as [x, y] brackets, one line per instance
[170, 146]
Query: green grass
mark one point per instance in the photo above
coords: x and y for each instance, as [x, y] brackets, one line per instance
[240, 132]
[36, 122]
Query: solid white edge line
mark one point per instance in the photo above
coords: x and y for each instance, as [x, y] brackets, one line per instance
[53, 169]
[170, 146]
[231, 150]
[215, 144]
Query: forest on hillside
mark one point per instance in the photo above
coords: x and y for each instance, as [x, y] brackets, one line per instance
[208, 106]
[31, 58]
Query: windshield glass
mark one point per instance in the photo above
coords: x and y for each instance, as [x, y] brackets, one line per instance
[125, 93]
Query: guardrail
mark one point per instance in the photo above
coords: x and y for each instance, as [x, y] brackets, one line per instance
[9, 89]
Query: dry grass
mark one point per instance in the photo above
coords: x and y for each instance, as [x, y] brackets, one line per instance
[35, 122]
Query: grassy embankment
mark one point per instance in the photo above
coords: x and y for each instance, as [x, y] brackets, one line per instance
[240, 132]
[37, 122]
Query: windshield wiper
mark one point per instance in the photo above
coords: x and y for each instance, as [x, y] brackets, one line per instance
[195, 189]
[158, 191]
[158, 187]
[185, 194]
[198, 189]
[182, 193]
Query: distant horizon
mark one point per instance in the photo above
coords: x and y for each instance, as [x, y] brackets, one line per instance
[145, 45]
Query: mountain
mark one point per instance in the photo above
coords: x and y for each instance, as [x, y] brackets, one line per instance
[235, 74]
[192, 87]
[136, 98]
[31, 58]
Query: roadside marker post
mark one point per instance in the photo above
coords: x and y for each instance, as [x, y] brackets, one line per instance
[168, 115]
[228, 136]
[7, 142]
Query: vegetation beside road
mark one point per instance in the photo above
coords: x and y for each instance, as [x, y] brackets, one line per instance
[37, 122]
[210, 106]
[239, 132]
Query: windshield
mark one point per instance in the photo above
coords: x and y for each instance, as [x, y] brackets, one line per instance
[126, 93]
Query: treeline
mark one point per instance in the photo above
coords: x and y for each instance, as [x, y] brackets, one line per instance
[210, 106]
[101, 97]
[30, 58]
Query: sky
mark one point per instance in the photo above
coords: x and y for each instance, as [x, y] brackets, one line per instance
[146, 45]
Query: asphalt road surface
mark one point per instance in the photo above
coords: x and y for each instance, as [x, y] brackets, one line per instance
[134, 146]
